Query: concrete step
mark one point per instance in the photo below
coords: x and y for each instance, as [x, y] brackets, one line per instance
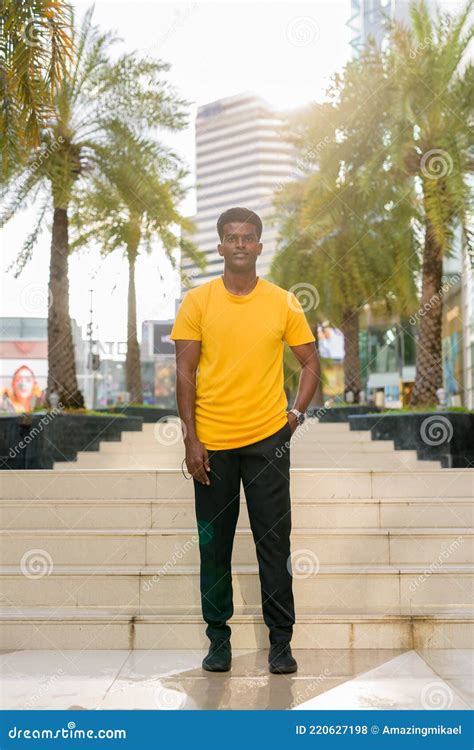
[329, 588]
[332, 513]
[310, 425]
[299, 437]
[171, 484]
[48, 628]
[154, 460]
[309, 446]
[108, 558]
[170, 546]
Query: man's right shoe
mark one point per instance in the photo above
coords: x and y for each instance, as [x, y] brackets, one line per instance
[219, 657]
[280, 659]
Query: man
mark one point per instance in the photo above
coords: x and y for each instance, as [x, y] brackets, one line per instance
[236, 427]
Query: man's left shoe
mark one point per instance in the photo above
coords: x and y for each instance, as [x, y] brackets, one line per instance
[280, 659]
[219, 657]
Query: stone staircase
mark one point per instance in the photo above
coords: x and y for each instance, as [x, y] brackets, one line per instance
[328, 445]
[105, 554]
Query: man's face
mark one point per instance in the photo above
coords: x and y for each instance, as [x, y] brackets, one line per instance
[240, 246]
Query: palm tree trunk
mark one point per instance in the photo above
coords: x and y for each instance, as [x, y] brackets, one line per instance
[61, 361]
[133, 368]
[429, 363]
[318, 399]
[350, 331]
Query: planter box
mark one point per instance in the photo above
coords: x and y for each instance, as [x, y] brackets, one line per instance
[149, 414]
[380, 427]
[36, 441]
[340, 413]
[442, 436]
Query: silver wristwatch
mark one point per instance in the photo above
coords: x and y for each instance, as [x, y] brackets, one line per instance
[300, 416]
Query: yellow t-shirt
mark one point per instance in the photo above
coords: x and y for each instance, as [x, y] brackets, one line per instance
[239, 382]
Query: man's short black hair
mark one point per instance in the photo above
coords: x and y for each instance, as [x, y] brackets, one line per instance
[242, 215]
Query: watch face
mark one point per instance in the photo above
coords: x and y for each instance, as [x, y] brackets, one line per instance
[301, 418]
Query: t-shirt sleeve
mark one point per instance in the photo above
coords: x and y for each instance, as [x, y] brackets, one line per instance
[187, 324]
[298, 330]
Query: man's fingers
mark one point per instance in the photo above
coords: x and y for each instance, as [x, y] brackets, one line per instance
[199, 473]
[198, 464]
[203, 468]
[202, 477]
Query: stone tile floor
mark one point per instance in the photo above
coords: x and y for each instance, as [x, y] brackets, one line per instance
[326, 679]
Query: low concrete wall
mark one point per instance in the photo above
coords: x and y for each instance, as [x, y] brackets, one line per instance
[36, 441]
[442, 436]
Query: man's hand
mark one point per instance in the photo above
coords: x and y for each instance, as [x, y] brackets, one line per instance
[292, 420]
[197, 460]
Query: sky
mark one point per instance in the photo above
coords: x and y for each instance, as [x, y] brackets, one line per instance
[286, 52]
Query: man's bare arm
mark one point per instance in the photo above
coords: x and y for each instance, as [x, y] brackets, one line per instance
[188, 353]
[310, 376]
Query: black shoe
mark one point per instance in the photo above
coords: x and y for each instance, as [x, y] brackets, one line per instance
[280, 659]
[219, 656]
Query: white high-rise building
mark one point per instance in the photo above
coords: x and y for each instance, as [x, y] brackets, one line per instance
[242, 159]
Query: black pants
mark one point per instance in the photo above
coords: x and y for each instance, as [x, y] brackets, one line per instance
[264, 468]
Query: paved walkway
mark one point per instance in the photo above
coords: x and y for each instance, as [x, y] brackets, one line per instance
[326, 679]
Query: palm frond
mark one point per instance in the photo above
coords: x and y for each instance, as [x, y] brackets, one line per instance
[26, 252]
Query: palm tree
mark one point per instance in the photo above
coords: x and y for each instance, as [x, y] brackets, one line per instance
[92, 94]
[129, 205]
[345, 234]
[35, 45]
[288, 269]
[431, 113]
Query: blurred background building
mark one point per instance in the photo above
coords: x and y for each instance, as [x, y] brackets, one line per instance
[158, 363]
[367, 18]
[24, 361]
[241, 159]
